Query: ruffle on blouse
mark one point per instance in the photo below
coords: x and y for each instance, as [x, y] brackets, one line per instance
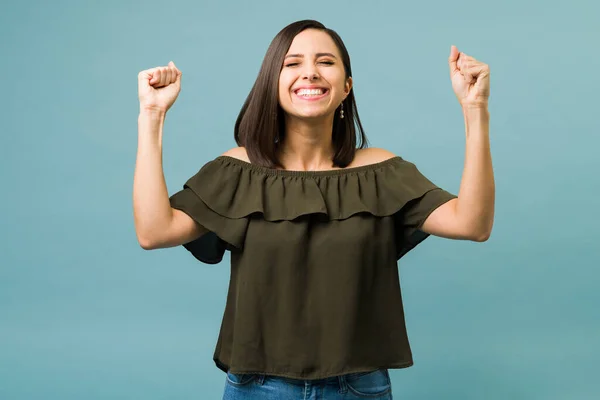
[226, 191]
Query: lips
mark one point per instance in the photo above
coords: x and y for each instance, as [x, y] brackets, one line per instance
[311, 92]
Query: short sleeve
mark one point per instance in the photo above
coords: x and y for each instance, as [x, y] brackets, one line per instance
[410, 218]
[197, 200]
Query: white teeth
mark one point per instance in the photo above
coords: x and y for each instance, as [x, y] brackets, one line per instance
[310, 92]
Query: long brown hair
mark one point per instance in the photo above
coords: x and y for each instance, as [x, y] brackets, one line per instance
[260, 125]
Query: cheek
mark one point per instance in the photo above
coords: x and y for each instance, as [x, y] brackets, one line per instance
[337, 81]
[340, 91]
[284, 88]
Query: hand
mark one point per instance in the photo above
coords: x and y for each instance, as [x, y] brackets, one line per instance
[159, 87]
[470, 79]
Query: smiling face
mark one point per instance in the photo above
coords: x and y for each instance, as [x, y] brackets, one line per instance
[312, 81]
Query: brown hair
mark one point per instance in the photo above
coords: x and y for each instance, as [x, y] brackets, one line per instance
[260, 125]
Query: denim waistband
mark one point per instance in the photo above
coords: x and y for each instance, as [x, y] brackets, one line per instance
[302, 382]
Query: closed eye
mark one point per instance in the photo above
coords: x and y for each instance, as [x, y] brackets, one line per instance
[320, 62]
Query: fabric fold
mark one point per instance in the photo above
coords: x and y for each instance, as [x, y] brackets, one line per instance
[226, 192]
[237, 189]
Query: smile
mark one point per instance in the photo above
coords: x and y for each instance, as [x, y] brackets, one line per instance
[311, 94]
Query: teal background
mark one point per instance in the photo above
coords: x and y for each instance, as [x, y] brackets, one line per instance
[85, 313]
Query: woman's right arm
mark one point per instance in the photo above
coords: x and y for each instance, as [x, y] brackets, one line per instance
[157, 224]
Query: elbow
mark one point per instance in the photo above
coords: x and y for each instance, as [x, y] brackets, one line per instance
[146, 245]
[482, 235]
[145, 242]
[152, 236]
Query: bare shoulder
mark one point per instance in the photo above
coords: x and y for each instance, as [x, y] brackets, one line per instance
[237, 152]
[371, 156]
[361, 158]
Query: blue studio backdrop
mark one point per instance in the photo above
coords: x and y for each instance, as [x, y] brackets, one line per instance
[85, 313]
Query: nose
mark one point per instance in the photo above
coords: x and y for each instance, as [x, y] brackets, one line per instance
[310, 73]
[311, 76]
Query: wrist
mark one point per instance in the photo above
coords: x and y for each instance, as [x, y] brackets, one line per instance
[475, 110]
[150, 125]
[479, 105]
[477, 120]
[153, 112]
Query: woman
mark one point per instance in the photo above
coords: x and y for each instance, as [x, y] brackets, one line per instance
[314, 223]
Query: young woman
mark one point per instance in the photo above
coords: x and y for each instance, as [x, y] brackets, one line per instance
[314, 221]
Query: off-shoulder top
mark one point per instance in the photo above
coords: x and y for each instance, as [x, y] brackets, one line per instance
[314, 288]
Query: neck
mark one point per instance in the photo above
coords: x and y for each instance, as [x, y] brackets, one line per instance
[307, 146]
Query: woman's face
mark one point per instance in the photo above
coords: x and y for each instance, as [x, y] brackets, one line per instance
[312, 81]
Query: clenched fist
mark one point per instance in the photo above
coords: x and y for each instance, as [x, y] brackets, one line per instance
[159, 87]
[470, 79]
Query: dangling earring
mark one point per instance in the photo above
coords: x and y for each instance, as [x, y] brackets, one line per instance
[342, 111]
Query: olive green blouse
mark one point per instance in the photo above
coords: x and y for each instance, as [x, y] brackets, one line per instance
[314, 289]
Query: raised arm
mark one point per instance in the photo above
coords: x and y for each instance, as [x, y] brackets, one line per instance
[471, 216]
[157, 224]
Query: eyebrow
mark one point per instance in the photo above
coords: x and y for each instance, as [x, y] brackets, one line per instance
[318, 55]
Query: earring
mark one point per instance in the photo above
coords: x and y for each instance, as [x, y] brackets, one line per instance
[342, 111]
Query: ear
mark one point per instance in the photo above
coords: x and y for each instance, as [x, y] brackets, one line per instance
[348, 85]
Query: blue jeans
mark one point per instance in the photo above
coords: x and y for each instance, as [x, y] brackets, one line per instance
[374, 385]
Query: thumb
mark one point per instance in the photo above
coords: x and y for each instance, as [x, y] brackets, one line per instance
[144, 78]
[172, 64]
[452, 59]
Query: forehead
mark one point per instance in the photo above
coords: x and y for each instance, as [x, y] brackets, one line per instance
[312, 41]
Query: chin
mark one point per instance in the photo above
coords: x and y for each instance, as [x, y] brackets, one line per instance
[310, 114]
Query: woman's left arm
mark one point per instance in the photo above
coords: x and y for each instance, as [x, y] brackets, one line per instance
[471, 215]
